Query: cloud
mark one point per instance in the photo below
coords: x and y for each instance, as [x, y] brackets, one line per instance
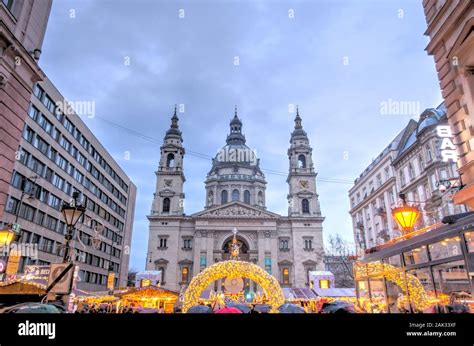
[283, 61]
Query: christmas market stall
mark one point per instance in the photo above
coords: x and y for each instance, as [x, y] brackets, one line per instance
[149, 297]
[428, 270]
[304, 297]
[19, 291]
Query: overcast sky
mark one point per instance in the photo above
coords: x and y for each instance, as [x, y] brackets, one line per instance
[338, 60]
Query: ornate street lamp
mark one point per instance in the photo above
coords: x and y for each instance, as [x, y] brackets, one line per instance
[405, 215]
[6, 237]
[72, 212]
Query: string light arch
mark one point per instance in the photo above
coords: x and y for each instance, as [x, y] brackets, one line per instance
[233, 268]
[407, 282]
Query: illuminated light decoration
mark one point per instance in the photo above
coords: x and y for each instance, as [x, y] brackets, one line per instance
[6, 237]
[232, 268]
[145, 283]
[405, 215]
[110, 281]
[418, 296]
[447, 148]
[323, 283]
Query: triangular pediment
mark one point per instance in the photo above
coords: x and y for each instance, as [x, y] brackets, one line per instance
[236, 210]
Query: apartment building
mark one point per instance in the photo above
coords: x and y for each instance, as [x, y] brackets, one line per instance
[450, 27]
[410, 164]
[22, 29]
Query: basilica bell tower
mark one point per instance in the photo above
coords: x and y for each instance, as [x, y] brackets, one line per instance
[302, 197]
[169, 196]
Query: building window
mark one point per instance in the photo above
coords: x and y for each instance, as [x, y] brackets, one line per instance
[166, 205]
[163, 243]
[203, 261]
[187, 243]
[416, 256]
[285, 276]
[162, 269]
[260, 198]
[284, 244]
[305, 206]
[324, 284]
[170, 161]
[379, 180]
[301, 161]
[308, 244]
[224, 197]
[402, 178]
[27, 212]
[235, 195]
[37, 90]
[421, 164]
[443, 174]
[268, 265]
[184, 274]
[411, 171]
[247, 196]
[446, 248]
[429, 153]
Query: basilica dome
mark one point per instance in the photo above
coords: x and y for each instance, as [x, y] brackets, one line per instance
[235, 174]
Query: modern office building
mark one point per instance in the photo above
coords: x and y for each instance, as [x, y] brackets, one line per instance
[57, 156]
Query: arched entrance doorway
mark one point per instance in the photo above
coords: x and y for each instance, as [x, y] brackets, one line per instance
[233, 268]
[243, 249]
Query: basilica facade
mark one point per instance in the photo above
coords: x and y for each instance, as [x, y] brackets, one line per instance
[181, 245]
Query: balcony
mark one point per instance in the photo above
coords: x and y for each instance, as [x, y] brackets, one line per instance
[359, 225]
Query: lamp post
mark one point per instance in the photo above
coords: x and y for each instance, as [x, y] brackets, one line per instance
[6, 237]
[111, 273]
[12, 231]
[405, 215]
[72, 212]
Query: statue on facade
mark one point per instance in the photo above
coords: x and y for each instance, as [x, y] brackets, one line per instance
[235, 246]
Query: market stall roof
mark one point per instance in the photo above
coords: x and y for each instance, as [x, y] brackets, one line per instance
[147, 292]
[335, 292]
[299, 293]
[19, 286]
[31, 286]
[206, 294]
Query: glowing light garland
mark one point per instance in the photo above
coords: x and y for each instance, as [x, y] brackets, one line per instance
[418, 296]
[234, 268]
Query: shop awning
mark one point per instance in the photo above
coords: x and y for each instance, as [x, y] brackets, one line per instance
[335, 292]
[299, 294]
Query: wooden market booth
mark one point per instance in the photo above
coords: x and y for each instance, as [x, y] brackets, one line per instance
[19, 291]
[153, 297]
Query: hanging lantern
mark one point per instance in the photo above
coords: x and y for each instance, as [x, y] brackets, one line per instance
[405, 215]
[6, 236]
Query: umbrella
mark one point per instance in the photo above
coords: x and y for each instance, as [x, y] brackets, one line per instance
[291, 309]
[199, 309]
[35, 308]
[339, 307]
[245, 309]
[147, 311]
[457, 309]
[228, 310]
[262, 308]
